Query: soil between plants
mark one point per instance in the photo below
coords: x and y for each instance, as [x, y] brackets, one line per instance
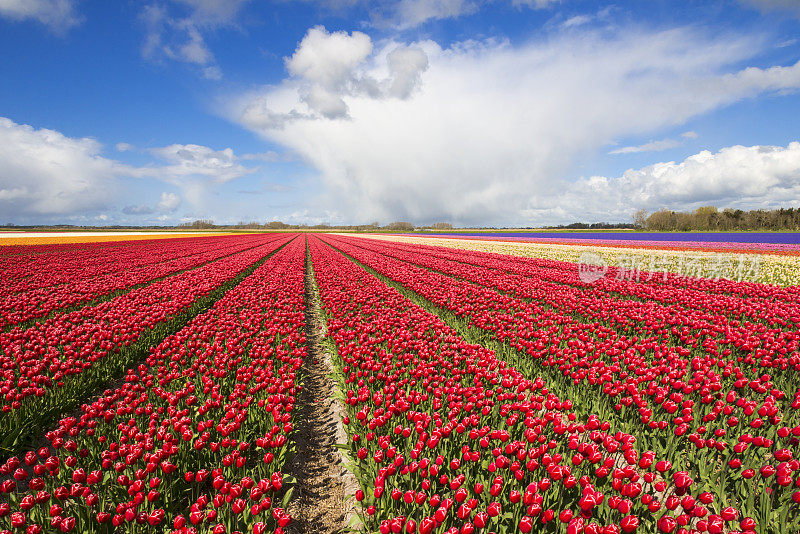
[320, 503]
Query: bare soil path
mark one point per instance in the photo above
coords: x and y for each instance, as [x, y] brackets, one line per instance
[320, 503]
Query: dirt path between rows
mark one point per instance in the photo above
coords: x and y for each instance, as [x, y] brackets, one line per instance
[323, 482]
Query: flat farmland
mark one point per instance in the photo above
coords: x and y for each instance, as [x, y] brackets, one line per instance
[290, 382]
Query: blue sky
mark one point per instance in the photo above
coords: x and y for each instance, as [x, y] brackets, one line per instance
[509, 112]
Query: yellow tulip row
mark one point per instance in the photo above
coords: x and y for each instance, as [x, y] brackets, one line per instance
[60, 238]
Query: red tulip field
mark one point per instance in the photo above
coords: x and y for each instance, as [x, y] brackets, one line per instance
[157, 386]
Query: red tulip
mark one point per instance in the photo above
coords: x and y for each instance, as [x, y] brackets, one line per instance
[629, 523]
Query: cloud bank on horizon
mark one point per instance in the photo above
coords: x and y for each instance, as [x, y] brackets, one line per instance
[485, 131]
[413, 111]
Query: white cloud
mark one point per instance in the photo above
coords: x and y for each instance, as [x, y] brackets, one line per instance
[328, 104]
[412, 13]
[743, 177]
[212, 73]
[47, 176]
[169, 202]
[175, 39]
[58, 15]
[155, 19]
[194, 50]
[407, 14]
[651, 146]
[490, 126]
[327, 67]
[124, 147]
[535, 4]
[214, 12]
[177, 36]
[187, 161]
[45, 173]
[329, 59]
[577, 20]
[689, 135]
[138, 210]
[775, 5]
[406, 65]
[326, 63]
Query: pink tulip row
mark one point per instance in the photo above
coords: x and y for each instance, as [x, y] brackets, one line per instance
[53, 362]
[195, 438]
[691, 402]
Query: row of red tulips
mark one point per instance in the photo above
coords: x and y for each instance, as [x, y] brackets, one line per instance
[654, 285]
[68, 262]
[701, 334]
[712, 417]
[107, 279]
[51, 366]
[778, 309]
[704, 334]
[448, 438]
[194, 440]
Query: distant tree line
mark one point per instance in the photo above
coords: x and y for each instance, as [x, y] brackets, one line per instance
[709, 218]
[396, 226]
[201, 224]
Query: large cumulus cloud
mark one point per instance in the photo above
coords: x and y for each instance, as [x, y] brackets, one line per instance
[481, 131]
